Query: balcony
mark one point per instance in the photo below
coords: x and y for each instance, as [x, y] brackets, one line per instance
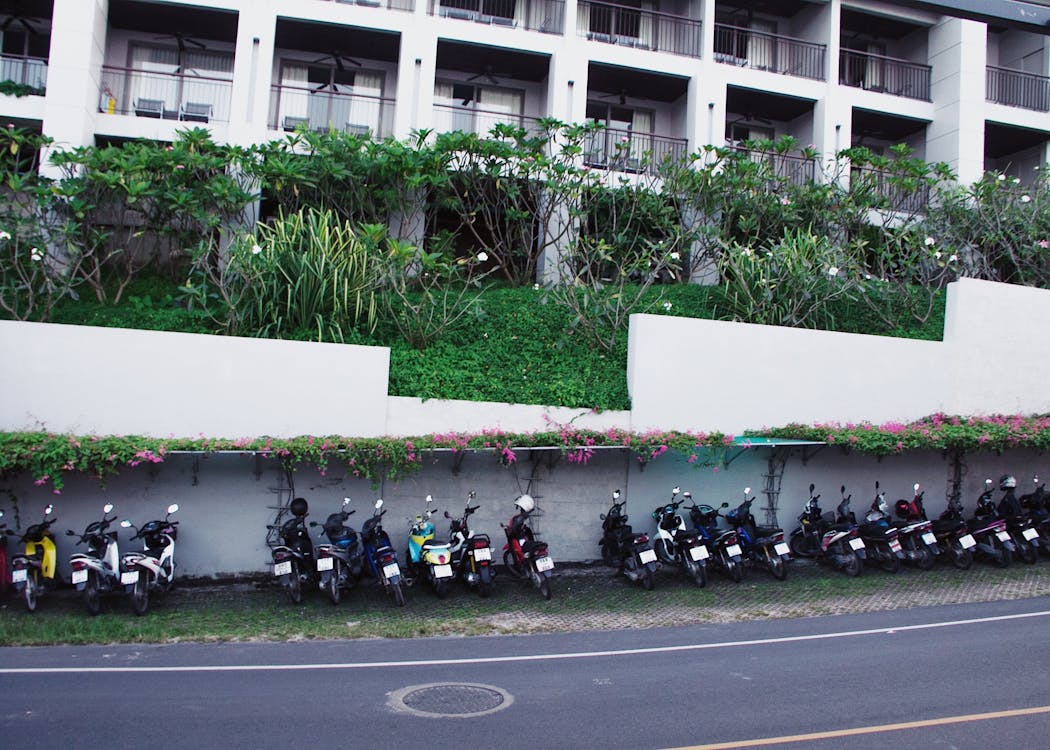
[169, 96]
[633, 27]
[449, 118]
[783, 168]
[546, 16]
[897, 198]
[405, 5]
[294, 107]
[1016, 88]
[761, 50]
[25, 71]
[631, 151]
[888, 75]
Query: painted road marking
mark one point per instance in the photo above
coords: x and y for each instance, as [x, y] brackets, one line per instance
[836, 733]
[523, 657]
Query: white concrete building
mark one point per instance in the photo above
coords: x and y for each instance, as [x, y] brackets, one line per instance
[962, 82]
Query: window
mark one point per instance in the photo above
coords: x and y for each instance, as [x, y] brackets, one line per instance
[327, 96]
[171, 78]
[471, 108]
[625, 140]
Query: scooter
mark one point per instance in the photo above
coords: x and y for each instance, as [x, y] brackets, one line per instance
[1020, 525]
[153, 569]
[724, 545]
[762, 545]
[630, 551]
[429, 558]
[97, 571]
[880, 536]
[829, 538]
[1035, 503]
[915, 532]
[994, 543]
[4, 533]
[526, 557]
[340, 561]
[293, 558]
[676, 544]
[380, 555]
[31, 571]
[471, 553]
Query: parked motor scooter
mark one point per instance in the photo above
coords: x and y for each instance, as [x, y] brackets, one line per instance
[915, 532]
[1020, 525]
[34, 569]
[153, 569]
[631, 552]
[340, 561]
[1035, 503]
[380, 555]
[429, 559]
[525, 556]
[724, 545]
[4, 533]
[676, 544]
[989, 531]
[293, 558]
[471, 553]
[97, 571]
[829, 538]
[762, 545]
[880, 535]
[953, 535]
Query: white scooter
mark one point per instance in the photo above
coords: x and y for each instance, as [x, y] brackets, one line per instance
[154, 568]
[97, 571]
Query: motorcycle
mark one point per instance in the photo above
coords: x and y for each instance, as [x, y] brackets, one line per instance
[153, 569]
[33, 569]
[762, 545]
[723, 544]
[630, 551]
[471, 553]
[427, 557]
[340, 561]
[380, 555]
[994, 543]
[915, 532]
[4, 533]
[677, 544]
[880, 536]
[832, 539]
[1018, 522]
[526, 557]
[293, 558]
[1035, 503]
[953, 535]
[97, 571]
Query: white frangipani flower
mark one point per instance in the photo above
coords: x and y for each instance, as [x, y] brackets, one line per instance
[482, 256]
[953, 258]
[36, 254]
[4, 235]
[929, 242]
[667, 305]
[1025, 199]
[833, 271]
[675, 255]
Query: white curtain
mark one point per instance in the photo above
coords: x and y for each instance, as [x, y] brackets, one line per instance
[295, 98]
[154, 78]
[500, 105]
[761, 52]
[365, 105]
[641, 135]
[873, 73]
[453, 114]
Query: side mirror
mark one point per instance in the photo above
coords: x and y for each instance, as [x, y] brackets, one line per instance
[724, 505]
[313, 523]
[50, 507]
[616, 495]
[687, 495]
[876, 485]
[70, 532]
[987, 482]
[601, 516]
[107, 507]
[676, 490]
[346, 501]
[916, 487]
[471, 495]
[747, 490]
[173, 508]
[429, 499]
[379, 503]
[125, 524]
[812, 487]
[1, 514]
[842, 489]
[447, 515]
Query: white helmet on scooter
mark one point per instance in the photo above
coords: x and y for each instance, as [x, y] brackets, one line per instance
[526, 503]
[1007, 481]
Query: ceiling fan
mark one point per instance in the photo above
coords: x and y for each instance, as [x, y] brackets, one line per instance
[182, 42]
[338, 59]
[488, 74]
[18, 18]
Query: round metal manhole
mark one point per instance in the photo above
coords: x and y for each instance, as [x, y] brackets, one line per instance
[457, 700]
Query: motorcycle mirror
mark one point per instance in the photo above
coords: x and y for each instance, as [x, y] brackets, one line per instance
[724, 505]
[687, 495]
[50, 507]
[747, 490]
[601, 516]
[676, 490]
[447, 515]
[616, 495]
[842, 489]
[916, 487]
[379, 503]
[812, 487]
[125, 524]
[173, 508]
[346, 501]
[107, 507]
[70, 532]
[876, 485]
[472, 494]
[313, 523]
[430, 499]
[1, 514]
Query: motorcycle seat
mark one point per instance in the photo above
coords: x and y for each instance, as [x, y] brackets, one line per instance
[946, 526]
[684, 534]
[764, 531]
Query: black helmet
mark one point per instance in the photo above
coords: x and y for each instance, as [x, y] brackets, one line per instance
[1007, 481]
[298, 506]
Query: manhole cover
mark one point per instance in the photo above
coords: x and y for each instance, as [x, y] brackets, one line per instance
[451, 699]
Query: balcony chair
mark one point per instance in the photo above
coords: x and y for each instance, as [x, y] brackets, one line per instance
[195, 111]
[149, 108]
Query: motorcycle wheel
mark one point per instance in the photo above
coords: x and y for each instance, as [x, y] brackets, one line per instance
[853, 566]
[698, 573]
[545, 587]
[798, 545]
[1004, 558]
[295, 587]
[735, 571]
[1026, 551]
[92, 598]
[512, 566]
[776, 565]
[889, 562]
[30, 593]
[647, 580]
[140, 595]
[926, 559]
[441, 588]
[484, 589]
[332, 587]
[961, 558]
[399, 594]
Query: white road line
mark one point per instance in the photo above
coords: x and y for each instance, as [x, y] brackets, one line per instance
[524, 657]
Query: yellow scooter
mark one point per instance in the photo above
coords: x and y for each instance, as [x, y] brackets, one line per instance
[30, 571]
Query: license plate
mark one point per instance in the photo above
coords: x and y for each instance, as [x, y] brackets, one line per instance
[929, 538]
[895, 546]
[1003, 536]
[325, 563]
[856, 544]
[733, 550]
[442, 571]
[18, 576]
[781, 549]
[544, 564]
[1029, 534]
[482, 553]
[79, 576]
[699, 553]
[282, 568]
[391, 570]
[130, 577]
[966, 541]
[647, 556]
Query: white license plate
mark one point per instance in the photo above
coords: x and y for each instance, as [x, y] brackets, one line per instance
[282, 568]
[1029, 534]
[391, 570]
[544, 564]
[325, 563]
[647, 556]
[482, 553]
[130, 577]
[895, 546]
[442, 571]
[79, 576]
[856, 544]
[1003, 536]
[929, 538]
[18, 576]
[699, 553]
[733, 550]
[966, 541]
[781, 549]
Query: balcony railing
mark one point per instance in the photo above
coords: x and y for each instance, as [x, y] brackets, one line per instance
[882, 184]
[630, 151]
[25, 71]
[294, 107]
[406, 5]
[170, 96]
[1018, 89]
[885, 74]
[547, 16]
[633, 27]
[797, 170]
[761, 50]
[449, 118]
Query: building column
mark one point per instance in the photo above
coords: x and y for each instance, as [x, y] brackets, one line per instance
[252, 74]
[958, 54]
[416, 68]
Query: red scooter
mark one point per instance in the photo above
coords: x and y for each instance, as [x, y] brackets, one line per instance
[526, 557]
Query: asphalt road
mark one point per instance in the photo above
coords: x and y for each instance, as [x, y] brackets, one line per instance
[948, 669]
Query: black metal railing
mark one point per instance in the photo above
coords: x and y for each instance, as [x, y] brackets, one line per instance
[791, 168]
[633, 27]
[547, 16]
[630, 151]
[25, 71]
[295, 107]
[889, 75]
[171, 96]
[898, 198]
[761, 50]
[449, 118]
[406, 5]
[1018, 89]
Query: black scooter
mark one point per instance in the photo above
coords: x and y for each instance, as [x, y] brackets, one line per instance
[293, 557]
[340, 561]
[621, 546]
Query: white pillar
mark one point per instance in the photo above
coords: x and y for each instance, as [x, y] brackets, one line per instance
[252, 74]
[958, 54]
[417, 65]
